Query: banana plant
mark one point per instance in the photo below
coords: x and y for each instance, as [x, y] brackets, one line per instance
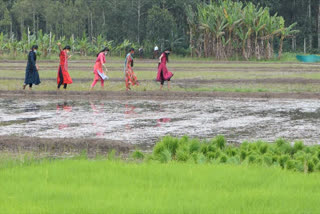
[285, 33]
[192, 23]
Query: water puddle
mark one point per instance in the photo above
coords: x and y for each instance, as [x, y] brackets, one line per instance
[144, 122]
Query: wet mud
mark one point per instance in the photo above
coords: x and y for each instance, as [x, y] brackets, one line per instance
[143, 122]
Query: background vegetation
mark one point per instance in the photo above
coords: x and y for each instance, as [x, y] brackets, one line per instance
[237, 28]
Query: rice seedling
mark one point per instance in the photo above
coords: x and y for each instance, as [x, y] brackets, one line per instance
[296, 157]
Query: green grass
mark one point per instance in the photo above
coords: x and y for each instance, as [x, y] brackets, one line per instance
[151, 75]
[180, 176]
[154, 86]
[207, 71]
[101, 186]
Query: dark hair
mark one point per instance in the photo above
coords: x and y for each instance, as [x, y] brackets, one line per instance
[67, 48]
[131, 49]
[103, 50]
[34, 47]
[167, 54]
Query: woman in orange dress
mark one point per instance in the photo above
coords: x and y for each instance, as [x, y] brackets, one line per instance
[131, 78]
[63, 77]
[98, 70]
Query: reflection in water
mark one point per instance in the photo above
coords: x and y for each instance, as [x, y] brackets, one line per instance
[129, 110]
[32, 108]
[129, 113]
[97, 110]
[143, 121]
[162, 120]
[64, 110]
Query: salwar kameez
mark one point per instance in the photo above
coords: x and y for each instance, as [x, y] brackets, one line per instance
[101, 59]
[131, 78]
[32, 74]
[63, 77]
[163, 73]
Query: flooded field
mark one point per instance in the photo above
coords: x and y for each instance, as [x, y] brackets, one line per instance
[144, 122]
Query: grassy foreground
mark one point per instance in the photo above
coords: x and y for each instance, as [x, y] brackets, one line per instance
[180, 176]
[104, 186]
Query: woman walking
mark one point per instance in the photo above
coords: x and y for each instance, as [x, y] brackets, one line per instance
[63, 77]
[163, 73]
[32, 70]
[131, 78]
[98, 70]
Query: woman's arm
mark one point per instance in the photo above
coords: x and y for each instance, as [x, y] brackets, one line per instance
[59, 46]
[102, 61]
[160, 58]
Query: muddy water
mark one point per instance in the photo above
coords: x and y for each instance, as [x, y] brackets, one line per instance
[143, 122]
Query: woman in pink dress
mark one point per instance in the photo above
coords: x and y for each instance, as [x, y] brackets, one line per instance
[98, 68]
[163, 73]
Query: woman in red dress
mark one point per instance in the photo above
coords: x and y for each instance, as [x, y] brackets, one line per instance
[163, 73]
[131, 78]
[98, 70]
[63, 77]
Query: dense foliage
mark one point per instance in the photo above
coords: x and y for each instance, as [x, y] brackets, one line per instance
[85, 23]
[296, 157]
[227, 28]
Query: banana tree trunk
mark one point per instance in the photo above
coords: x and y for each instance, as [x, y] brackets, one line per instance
[249, 48]
[268, 52]
[281, 47]
[230, 48]
[244, 53]
[257, 48]
[191, 42]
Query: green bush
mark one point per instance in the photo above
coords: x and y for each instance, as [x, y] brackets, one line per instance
[171, 144]
[280, 142]
[158, 148]
[165, 156]
[315, 159]
[182, 156]
[280, 153]
[220, 141]
[243, 155]
[211, 155]
[263, 148]
[204, 148]
[223, 159]
[267, 160]
[252, 158]
[212, 148]
[311, 166]
[138, 155]
[298, 146]
[194, 146]
[283, 160]
[291, 165]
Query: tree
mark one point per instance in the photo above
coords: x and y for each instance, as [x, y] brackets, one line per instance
[160, 25]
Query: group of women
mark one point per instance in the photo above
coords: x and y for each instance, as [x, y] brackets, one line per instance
[100, 69]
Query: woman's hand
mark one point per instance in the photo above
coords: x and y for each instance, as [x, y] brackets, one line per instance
[69, 56]
[37, 66]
